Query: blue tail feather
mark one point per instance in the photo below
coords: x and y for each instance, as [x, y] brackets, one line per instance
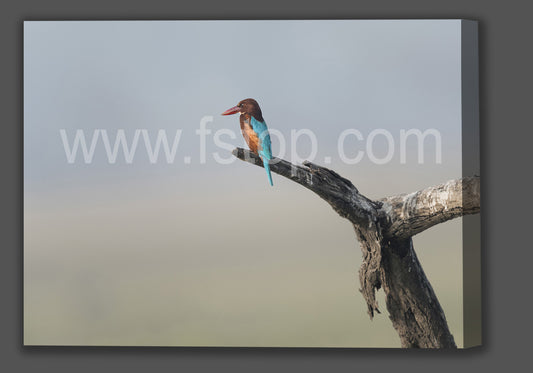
[267, 168]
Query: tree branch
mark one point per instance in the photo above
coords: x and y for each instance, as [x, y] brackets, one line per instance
[410, 214]
[339, 192]
[384, 229]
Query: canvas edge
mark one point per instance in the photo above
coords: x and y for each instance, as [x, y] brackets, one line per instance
[471, 224]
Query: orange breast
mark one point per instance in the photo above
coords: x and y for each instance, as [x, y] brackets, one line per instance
[250, 136]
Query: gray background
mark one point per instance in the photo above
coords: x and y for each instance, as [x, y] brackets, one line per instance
[159, 254]
[504, 34]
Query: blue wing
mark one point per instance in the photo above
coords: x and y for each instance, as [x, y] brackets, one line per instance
[265, 146]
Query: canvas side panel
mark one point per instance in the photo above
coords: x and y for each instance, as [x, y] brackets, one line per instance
[472, 323]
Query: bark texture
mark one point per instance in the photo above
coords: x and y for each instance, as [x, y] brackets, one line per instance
[384, 229]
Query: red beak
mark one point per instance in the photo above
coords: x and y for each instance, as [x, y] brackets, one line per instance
[233, 110]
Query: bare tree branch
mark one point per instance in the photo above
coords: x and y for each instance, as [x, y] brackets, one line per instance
[339, 192]
[384, 229]
[413, 213]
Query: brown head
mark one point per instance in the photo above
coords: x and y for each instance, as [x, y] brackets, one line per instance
[247, 107]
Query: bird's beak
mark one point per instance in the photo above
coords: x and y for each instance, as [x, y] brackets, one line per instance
[233, 110]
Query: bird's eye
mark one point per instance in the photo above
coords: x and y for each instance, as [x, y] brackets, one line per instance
[240, 105]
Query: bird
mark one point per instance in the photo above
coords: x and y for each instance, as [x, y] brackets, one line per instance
[254, 130]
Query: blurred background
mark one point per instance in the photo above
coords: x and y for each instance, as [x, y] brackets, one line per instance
[208, 254]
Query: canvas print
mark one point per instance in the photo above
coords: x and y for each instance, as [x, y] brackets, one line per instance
[251, 183]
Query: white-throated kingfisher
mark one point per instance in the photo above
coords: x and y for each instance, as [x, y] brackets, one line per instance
[254, 130]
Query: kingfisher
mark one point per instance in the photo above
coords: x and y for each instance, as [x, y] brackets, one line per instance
[254, 130]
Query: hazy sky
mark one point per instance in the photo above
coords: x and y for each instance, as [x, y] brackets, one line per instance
[210, 254]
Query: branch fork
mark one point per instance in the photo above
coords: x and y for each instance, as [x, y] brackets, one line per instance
[385, 229]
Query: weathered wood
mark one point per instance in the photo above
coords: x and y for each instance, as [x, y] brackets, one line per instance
[384, 229]
[413, 213]
[339, 192]
[413, 307]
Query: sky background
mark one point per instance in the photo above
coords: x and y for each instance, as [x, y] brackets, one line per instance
[209, 254]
